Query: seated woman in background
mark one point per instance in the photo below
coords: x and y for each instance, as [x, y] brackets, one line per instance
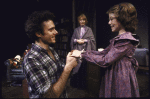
[119, 78]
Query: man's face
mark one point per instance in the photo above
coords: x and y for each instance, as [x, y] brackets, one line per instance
[49, 32]
[82, 21]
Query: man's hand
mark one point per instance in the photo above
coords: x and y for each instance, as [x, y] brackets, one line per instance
[71, 61]
[59, 86]
[80, 41]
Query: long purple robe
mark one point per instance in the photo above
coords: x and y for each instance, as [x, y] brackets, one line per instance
[119, 79]
[78, 80]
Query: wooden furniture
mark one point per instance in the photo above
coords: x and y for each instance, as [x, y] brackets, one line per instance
[142, 56]
[93, 78]
[25, 88]
[14, 72]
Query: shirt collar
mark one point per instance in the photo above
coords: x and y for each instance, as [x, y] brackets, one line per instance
[82, 26]
[38, 48]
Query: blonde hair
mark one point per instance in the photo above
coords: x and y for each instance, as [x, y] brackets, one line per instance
[84, 17]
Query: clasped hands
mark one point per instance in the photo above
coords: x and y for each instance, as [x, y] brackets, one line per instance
[72, 57]
[76, 53]
[81, 41]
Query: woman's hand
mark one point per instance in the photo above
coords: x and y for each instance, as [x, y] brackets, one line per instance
[76, 53]
[80, 41]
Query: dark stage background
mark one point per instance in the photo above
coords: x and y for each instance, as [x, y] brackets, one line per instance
[15, 12]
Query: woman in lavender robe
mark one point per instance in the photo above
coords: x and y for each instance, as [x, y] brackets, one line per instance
[82, 38]
[119, 79]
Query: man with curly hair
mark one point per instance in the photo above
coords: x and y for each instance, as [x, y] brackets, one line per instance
[45, 74]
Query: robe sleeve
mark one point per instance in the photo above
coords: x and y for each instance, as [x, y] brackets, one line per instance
[115, 53]
[91, 43]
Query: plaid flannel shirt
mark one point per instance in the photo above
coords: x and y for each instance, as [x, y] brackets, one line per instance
[41, 71]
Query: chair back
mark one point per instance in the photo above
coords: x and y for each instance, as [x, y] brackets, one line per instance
[142, 56]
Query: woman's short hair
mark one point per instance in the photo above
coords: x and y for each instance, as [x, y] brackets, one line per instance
[126, 14]
[84, 17]
[34, 23]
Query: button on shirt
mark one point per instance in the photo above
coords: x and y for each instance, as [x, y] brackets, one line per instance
[41, 71]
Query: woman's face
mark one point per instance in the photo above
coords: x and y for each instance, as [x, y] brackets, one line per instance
[114, 23]
[82, 21]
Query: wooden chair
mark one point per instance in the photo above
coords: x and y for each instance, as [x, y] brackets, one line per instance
[25, 88]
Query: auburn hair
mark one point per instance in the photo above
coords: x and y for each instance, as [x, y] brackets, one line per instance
[126, 14]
